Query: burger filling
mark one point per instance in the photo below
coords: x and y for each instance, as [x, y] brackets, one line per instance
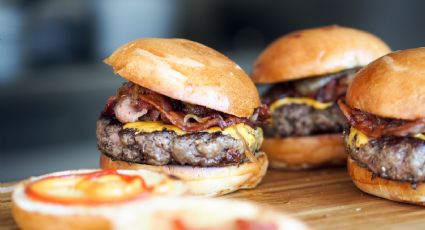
[308, 106]
[139, 125]
[390, 148]
[304, 120]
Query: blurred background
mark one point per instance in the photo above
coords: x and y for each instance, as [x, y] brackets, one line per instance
[53, 83]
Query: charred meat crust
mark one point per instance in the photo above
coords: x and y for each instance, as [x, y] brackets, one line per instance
[304, 120]
[391, 157]
[166, 147]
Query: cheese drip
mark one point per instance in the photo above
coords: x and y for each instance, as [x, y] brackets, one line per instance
[420, 136]
[299, 100]
[356, 138]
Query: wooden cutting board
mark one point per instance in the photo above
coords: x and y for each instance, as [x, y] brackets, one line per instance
[324, 199]
[6, 220]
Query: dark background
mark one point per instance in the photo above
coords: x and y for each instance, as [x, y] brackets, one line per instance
[53, 83]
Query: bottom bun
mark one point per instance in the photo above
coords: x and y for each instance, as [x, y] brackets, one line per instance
[386, 188]
[296, 153]
[204, 181]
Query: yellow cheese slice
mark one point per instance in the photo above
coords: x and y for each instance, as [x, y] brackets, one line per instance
[357, 138]
[420, 136]
[299, 100]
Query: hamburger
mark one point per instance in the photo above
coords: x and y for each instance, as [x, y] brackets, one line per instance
[186, 110]
[385, 107]
[304, 73]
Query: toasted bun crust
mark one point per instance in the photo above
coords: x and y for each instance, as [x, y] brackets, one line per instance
[385, 188]
[31, 214]
[187, 71]
[295, 153]
[392, 86]
[204, 181]
[316, 51]
[34, 220]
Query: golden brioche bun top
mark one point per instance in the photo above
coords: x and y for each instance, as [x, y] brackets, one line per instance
[187, 71]
[392, 86]
[316, 51]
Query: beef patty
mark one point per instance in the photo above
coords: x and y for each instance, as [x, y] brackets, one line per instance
[396, 158]
[304, 120]
[166, 147]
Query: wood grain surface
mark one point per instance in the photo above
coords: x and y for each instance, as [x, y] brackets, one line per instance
[324, 199]
[6, 220]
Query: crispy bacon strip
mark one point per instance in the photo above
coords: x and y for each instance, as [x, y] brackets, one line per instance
[374, 126]
[172, 111]
[326, 88]
[108, 110]
[177, 118]
[215, 119]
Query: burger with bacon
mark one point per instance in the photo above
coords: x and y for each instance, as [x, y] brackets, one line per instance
[304, 73]
[385, 106]
[186, 110]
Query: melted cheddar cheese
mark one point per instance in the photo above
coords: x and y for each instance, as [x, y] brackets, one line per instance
[356, 138]
[253, 137]
[420, 136]
[299, 100]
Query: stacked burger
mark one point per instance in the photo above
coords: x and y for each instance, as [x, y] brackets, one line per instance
[186, 110]
[306, 72]
[385, 107]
